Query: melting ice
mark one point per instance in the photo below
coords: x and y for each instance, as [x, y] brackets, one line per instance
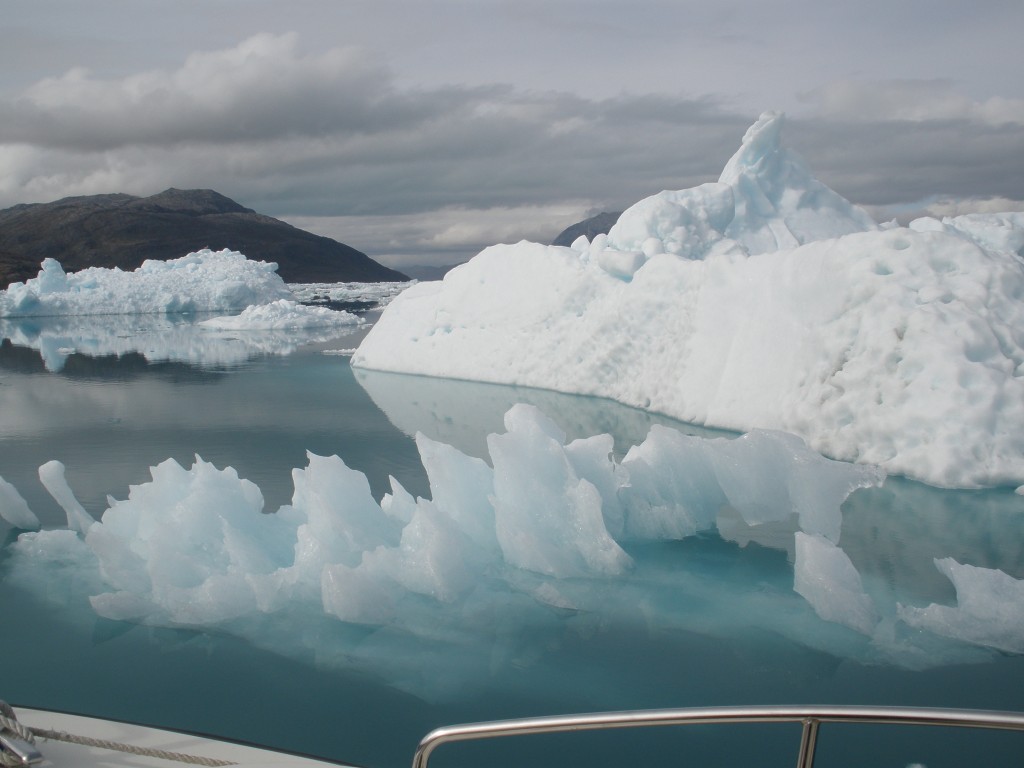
[546, 522]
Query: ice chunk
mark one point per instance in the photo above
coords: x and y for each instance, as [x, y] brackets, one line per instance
[51, 475]
[355, 595]
[673, 491]
[547, 518]
[827, 579]
[433, 558]
[678, 484]
[461, 486]
[181, 549]
[768, 475]
[14, 509]
[342, 519]
[591, 458]
[989, 609]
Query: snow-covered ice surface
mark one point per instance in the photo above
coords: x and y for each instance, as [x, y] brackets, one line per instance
[764, 300]
[544, 523]
[199, 282]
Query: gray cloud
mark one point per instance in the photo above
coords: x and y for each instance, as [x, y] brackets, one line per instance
[331, 136]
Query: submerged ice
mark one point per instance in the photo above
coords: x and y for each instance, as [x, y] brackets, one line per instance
[547, 520]
[762, 300]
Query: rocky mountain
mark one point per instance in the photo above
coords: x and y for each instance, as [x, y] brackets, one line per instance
[124, 230]
[595, 225]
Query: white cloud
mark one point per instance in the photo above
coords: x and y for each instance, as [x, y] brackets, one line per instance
[265, 86]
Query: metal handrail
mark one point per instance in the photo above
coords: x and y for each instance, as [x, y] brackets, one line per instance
[810, 716]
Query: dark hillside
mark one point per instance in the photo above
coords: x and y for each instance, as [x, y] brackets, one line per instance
[596, 225]
[123, 231]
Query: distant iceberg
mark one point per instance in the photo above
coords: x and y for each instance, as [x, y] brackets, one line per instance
[763, 300]
[199, 282]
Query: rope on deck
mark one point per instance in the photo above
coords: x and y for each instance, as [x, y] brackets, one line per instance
[30, 734]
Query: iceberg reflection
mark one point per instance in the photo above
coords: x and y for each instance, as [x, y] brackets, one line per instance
[158, 338]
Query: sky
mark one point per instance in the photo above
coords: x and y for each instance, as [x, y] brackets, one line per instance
[421, 131]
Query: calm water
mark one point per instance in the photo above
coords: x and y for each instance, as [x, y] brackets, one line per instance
[710, 620]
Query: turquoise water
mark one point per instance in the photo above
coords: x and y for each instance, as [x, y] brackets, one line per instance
[709, 620]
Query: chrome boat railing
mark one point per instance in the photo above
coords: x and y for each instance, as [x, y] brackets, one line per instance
[810, 718]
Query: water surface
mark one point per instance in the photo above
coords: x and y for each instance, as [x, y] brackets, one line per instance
[709, 620]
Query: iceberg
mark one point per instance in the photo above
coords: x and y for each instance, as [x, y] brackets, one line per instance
[761, 301]
[199, 282]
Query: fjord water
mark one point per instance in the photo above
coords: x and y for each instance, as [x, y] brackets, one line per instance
[709, 620]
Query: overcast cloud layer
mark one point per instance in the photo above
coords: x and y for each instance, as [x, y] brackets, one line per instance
[422, 132]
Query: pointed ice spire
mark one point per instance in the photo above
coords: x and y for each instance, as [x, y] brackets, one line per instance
[759, 152]
[778, 203]
[765, 200]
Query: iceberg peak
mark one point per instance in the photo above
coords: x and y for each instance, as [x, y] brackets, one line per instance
[765, 200]
[760, 145]
[778, 203]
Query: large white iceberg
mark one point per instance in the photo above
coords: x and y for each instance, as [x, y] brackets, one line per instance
[764, 300]
[199, 282]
